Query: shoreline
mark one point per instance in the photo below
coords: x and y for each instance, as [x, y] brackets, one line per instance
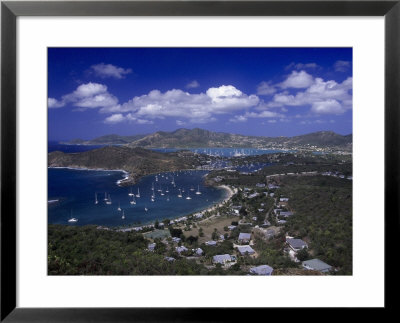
[125, 177]
[230, 193]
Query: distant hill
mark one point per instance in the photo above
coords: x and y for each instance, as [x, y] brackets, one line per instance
[185, 138]
[195, 138]
[322, 139]
[136, 161]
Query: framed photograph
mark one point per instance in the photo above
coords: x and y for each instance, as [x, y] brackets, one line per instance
[175, 155]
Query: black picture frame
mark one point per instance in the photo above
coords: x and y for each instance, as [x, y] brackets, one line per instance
[10, 10]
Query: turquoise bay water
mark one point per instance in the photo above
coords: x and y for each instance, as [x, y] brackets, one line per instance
[75, 191]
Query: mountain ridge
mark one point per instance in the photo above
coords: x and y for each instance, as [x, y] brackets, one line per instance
[197, 137]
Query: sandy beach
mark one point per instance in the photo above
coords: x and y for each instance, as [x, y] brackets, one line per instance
[230, 193]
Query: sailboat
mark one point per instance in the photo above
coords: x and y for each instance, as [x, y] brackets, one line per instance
[167, 198]
[119, 206]
[108, 200]
[180, 193]
[72, 220]
[146, 209]
[167, 191]
[138, 193]
[133, 200]
[162, 192]
[105, 196]
[123, 215]
[198, 190]
[192, 188]
[130, 193]
[95, 199]
[188, 197]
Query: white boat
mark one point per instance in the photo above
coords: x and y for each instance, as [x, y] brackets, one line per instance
[119, 206]
[188, 197]
[109, 200]
[162, 194]
[180, 194]
[123, 215]
[105, 196]
[192, 188]
[138, 193]
[95, 199]
[167, 191]
[146, 209]
[168, 199]
[133, 200]
[72, 220]
[130, 193]
[198, 190]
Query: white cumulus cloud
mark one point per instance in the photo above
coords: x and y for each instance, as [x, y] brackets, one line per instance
[297, 80]
[265, 88]
[324, 97]
[328, 107]
[119, 117]
[197, 108]
[53, 103]
[114, 118]
[108, 70]
[86, 96]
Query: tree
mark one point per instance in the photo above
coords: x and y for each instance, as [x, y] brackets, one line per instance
[201, 233]
[303, 254]
[214, 235]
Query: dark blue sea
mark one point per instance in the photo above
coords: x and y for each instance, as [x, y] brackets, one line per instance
[76, 191]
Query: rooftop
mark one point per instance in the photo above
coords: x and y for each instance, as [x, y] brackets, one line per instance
[220, 259]
[244, 236]
[262, 270]
[296, 243]
[181, 249]
[316, 264]
[246, 250]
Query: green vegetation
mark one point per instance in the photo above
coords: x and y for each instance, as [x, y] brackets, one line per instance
[89, 251]
[323, 207]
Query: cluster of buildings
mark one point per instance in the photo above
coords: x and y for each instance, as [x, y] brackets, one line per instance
[243, 243]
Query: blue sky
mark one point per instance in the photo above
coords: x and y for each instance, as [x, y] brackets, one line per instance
[252, 91]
